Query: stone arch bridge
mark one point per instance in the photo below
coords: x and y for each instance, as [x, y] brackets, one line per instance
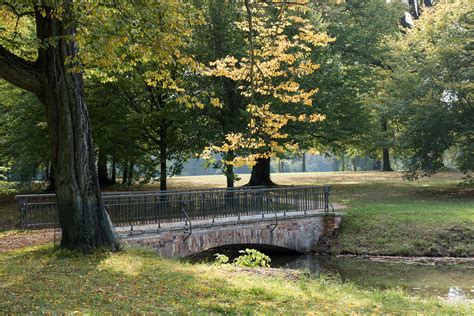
[181, 223]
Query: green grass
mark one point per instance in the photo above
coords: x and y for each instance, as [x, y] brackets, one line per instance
[432, 217]
[9, 214]
[138, 281]
[385, 214]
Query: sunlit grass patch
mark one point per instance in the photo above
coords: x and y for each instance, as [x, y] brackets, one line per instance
[41, 279]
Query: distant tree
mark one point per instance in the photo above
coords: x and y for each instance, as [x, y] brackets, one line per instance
[217, 38]
[430, 90]
[154, 85]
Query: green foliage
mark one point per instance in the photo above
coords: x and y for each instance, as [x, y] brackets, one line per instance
[221, 259]
[252, 258]
[24, 145]
[4, 173]
[430, 90]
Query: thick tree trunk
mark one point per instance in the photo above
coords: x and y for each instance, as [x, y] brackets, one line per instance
[163, 171]
[261, 173]
[102, 170]
[82, 215]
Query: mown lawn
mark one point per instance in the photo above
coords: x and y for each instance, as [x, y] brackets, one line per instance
[138, 281]
[387, 215]
[384, 214]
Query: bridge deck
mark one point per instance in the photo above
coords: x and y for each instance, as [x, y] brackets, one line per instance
[136, 230]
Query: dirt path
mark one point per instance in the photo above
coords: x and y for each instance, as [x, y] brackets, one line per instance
[16, 240]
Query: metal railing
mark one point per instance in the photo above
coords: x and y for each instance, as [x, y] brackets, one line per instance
[156, 207]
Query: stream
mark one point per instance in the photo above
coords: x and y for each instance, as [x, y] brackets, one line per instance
[444, 278]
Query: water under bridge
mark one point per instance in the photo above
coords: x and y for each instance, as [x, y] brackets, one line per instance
[181, 223]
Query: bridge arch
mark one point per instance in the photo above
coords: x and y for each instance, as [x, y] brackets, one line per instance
[299, 233]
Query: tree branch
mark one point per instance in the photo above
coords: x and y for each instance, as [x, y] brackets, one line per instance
[20, 72]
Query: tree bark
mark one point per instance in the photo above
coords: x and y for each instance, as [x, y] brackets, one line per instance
[113, 179]
[82, 215]
[125, 172]
[229, 170]
[261, 173]
[102, 170]
[81, 211]
[385, 153]
[303, 162]
[386, 160]
[163, 157]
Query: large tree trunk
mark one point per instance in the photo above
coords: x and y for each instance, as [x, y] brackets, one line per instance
[81, 213]
[59, 86]
[261, 173]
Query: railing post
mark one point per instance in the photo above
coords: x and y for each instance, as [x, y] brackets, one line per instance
[23, 210]
[129, 210]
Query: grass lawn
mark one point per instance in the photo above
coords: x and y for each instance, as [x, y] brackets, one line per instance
[40, 279]
[384, 215]
[387, 215]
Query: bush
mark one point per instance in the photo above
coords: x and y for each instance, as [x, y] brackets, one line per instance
[252, 258]
[221, 259]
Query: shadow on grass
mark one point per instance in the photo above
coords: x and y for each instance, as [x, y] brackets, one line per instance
[137, 281]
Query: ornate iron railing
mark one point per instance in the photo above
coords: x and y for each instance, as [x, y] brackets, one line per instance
[147, 207]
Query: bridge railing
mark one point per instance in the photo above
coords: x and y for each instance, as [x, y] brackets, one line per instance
[136, 208]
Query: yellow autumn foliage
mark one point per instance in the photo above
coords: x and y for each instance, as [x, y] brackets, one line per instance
[278, 58]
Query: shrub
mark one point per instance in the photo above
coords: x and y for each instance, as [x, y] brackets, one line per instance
[252, 258]
[221, 259]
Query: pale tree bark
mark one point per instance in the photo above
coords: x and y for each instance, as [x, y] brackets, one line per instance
[82, 216]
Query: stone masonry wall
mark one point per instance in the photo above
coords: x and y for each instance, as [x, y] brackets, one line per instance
[300, 233]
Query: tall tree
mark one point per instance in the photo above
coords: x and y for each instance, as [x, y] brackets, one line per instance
[279, 42]
[218, 38]
[430, 89]
[55, 79]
